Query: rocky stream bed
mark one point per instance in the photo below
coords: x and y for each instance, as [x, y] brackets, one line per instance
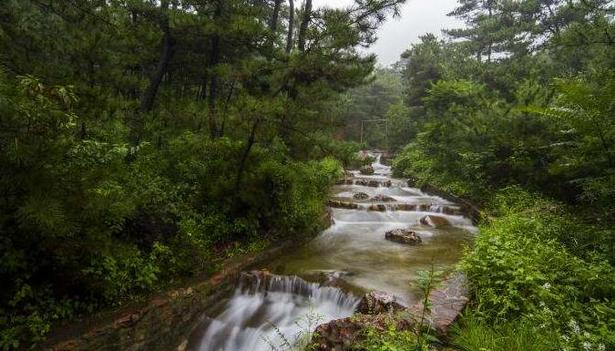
[383, 232]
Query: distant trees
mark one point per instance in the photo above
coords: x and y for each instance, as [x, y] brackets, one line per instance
[510, 100]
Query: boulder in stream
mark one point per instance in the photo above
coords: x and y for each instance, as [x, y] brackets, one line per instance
[360, 196]
[377, 183]
[435, 221]
[362, 182]
[373, 183]
[383, 198]
[406, 207]
[447, 302]
[367, 170]
[377, 302]
[342, 204]
[403, 236]
[348, 333]
[377, 207]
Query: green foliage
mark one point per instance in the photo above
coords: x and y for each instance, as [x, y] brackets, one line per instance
[584, 109]
[364, 109]
[85, 228]
[474, 334]
[523, 99]
[390, 339]
[143, 141]
[523, 266]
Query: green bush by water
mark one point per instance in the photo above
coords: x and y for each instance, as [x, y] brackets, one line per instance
[531, 269]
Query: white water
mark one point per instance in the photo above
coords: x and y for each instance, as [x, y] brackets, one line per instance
[283, 308]
[274, 312]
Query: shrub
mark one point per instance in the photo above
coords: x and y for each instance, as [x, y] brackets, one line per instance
[520, 268]
[474, 334]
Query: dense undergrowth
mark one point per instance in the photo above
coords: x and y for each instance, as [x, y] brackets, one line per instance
[536, 269]
[88, 223]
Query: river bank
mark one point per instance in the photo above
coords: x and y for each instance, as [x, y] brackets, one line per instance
[163, 320]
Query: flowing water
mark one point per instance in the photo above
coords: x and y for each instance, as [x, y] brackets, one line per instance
[322, 280]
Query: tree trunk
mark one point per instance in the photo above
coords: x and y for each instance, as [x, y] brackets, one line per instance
[490, 38]
[307, 16]
[291, 26]
[147, 101]
[246, 153]
[214, 58]
[225, 109]
[273, 26]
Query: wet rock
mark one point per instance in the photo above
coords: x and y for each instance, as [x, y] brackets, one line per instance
[383, 198]
[373, 184]
[331, 278]
[367, 170]
[406, 207]
[335, 279]
[360, 196]
[435, 221]
[183, 346]
[347, 180]
[362, 182]
[375, 309]
[339, 334]
[403, 236]
[329, 217]
[377, 302]
[447, 302]
[452, 211]
[254, 280]
[347, 333]
[378, 208]
[342, 204]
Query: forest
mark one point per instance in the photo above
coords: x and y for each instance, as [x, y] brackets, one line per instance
[142, 142]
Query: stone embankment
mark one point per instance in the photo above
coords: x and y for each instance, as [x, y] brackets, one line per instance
[379, 310]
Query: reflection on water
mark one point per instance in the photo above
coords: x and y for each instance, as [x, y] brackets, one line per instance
[355, 248]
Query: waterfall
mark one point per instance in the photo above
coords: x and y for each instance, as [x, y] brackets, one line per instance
[268, 310]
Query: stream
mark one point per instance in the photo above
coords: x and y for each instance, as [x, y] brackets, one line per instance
[324, 279]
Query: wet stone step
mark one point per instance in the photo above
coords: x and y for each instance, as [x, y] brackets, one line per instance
[342, 204]
[373, 183]
[383, 207]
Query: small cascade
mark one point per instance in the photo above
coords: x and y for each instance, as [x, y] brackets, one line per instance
[436, 208]
[270, 310]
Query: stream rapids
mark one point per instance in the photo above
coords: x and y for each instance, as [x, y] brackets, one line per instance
[324, 279]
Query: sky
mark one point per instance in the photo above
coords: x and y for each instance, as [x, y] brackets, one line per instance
[417, 18]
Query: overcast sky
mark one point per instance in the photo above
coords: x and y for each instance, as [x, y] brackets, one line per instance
[417, 18]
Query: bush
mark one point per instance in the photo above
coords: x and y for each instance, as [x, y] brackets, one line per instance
[473, 334]
[389, 340]
[522, 267]
[90, 221]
